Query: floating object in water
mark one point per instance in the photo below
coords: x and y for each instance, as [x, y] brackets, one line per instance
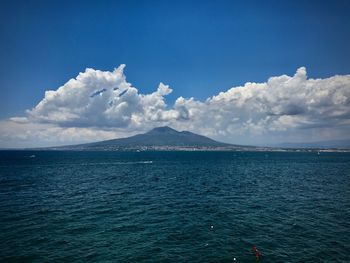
[211, 227]
[32, 156]
[234, 259]
[257, 253]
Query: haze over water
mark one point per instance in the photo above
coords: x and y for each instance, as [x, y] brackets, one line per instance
[174, 206]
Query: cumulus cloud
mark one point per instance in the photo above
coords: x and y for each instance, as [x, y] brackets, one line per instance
[100, 99]
[282, 106]
[102, 104]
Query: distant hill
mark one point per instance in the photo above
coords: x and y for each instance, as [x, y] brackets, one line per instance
[160, 137]
[333, 144]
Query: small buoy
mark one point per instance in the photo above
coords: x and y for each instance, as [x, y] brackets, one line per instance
[211, 227]
[257, 253]
[234, 259]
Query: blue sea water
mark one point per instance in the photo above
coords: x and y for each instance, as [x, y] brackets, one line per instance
[174, 206]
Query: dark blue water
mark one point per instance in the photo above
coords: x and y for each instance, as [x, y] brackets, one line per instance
[174, 207]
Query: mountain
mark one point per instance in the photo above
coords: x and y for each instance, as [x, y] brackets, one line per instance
[166, 138]
[158, 138]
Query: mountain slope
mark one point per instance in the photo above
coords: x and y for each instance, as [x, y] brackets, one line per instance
[158, 137]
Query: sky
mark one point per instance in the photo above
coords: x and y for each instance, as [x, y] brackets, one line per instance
[252, 72]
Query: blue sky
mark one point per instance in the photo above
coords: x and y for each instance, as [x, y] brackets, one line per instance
[199, 48]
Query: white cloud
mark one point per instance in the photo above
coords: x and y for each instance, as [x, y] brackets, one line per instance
[291, 108]
[101, 104]
[100, 99]
[16, 134]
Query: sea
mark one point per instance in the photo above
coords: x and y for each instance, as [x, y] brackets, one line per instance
[66, 206]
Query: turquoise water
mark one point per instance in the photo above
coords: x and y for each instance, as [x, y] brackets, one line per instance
[174, 206]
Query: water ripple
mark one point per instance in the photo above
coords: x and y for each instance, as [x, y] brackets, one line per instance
[174, 207]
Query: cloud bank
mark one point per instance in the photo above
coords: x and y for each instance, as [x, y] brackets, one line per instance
[100, 105]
